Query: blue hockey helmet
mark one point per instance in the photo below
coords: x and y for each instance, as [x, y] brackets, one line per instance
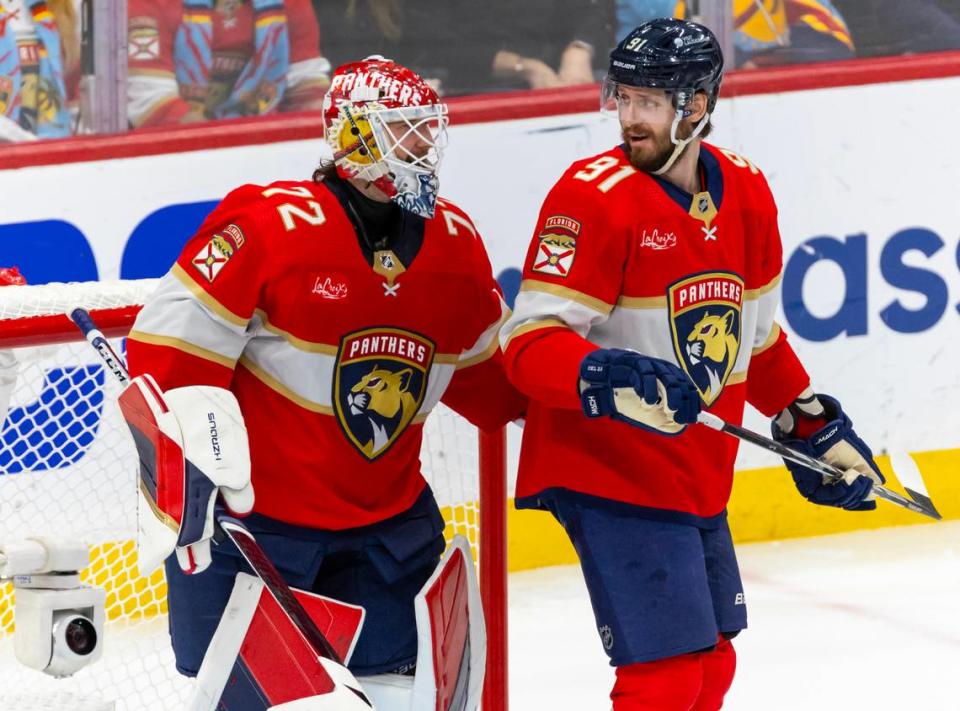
[678, 56]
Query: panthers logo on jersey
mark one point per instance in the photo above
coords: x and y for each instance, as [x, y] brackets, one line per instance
[705, 318]
[379, 384]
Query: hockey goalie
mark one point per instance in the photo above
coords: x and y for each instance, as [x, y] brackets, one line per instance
[287, 363]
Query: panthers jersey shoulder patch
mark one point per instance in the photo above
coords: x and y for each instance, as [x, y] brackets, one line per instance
[705, 317]
[378, 386]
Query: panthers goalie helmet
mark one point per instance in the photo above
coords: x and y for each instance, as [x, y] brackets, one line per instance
[386, 125]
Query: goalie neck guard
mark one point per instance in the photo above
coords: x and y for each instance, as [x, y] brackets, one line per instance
[386, 125]
[678, 56]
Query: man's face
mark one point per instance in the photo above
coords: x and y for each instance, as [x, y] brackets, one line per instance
[414, 143]
[645, 119]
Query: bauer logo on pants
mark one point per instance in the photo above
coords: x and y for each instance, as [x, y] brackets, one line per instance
[705, 324]
[380, 381]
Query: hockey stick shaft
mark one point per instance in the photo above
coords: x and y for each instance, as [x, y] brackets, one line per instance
[716, 423]
[233, 528]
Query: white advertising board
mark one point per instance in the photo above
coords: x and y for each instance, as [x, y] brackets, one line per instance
[864, 177]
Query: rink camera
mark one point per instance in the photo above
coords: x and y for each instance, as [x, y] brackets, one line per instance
[59, 621]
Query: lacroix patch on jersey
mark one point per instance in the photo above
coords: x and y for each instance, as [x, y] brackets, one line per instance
[379, 383]
[705, 319]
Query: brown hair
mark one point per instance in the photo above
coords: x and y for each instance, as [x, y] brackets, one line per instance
[326, 169]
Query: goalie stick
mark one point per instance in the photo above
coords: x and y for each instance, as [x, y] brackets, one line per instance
[919, 502]
[236, 531]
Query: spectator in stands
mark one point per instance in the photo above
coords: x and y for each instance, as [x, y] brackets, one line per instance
[891, 27]
[207, 59]
[545, 44]
[466, 47]
[767, 32]
[38, 41]
[437, 39]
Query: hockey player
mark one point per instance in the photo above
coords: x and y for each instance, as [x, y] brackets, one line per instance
[649, 292]
[330, 317]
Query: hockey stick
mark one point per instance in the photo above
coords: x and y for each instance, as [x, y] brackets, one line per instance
[919, 503]
[232, 527]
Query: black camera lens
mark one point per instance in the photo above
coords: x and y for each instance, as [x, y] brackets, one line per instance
[81, 636]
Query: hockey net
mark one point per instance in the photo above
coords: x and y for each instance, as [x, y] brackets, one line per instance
[68, 470]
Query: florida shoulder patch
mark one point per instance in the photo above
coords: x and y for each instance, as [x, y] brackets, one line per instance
[558, 246]
[218, 251]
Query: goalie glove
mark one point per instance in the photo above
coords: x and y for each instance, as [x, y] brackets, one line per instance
[193, 446]
[642, 391]
[817, 426]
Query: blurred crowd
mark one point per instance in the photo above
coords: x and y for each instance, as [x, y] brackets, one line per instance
[194, 60]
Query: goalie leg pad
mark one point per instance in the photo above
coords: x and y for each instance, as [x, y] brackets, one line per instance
[658, 588]
[452, 640]
[258, 660]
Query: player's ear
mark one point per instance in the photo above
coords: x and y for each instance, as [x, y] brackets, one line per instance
[698, 107]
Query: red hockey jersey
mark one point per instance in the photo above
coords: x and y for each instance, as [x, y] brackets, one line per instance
[335, 364]
[621, 259]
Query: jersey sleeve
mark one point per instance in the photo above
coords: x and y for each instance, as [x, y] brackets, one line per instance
[776, 376]
[480, 390]
[194, 327]
[572, 278]
[153, 96]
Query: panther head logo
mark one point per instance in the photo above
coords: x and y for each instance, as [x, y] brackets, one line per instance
[712, 345]
[705, 322]
[379, 385]
[383, 397]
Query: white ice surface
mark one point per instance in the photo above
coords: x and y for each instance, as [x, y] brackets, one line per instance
[867, 620]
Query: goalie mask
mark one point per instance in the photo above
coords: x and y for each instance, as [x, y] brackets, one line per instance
[386, 125]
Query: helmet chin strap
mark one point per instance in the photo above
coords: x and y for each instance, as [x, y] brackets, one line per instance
[680, 143]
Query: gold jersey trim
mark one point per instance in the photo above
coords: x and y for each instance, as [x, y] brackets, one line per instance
[591, 302]
[207, 299]
[183, 346]
[770, 340]
[751, 294]
[546, 322]
[287, 393]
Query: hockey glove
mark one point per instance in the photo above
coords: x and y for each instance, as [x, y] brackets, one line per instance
[193, 446]
[817, 426]
[634, 388]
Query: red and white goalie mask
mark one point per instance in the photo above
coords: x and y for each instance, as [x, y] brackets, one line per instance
[387, 125]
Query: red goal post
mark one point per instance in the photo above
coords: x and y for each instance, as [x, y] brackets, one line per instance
[68, 469]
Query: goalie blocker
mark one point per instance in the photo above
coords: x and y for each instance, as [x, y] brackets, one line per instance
[256, 660]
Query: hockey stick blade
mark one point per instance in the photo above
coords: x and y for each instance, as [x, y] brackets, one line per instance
[919, 506]
[905, 468]
[231, 527]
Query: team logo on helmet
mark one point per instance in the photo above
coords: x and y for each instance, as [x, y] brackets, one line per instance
[705, 321]
[379, 384]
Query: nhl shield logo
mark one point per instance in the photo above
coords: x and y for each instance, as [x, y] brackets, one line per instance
[379, 384]
[705, 319]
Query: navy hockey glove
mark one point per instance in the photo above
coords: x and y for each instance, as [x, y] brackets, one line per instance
[642, 391]
[828, 435]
